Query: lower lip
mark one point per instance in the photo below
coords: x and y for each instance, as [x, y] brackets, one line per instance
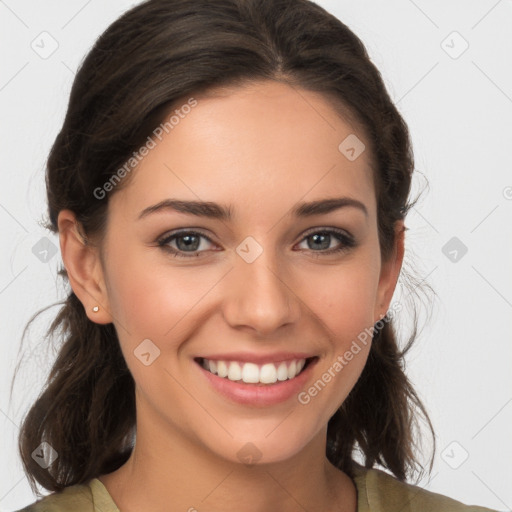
[255, 395]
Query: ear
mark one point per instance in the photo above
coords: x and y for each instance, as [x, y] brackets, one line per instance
[83, 266]
[390, 270]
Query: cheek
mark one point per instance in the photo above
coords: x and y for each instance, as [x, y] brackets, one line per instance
[154, 301]
[345, 308]
[343, 297]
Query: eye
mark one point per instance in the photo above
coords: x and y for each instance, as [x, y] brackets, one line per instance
[322, 239]
[191, 242]
[186, 242]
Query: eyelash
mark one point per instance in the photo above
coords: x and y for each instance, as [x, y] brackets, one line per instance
[347, 242]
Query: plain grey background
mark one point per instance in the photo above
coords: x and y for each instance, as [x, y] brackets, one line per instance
[447, 67]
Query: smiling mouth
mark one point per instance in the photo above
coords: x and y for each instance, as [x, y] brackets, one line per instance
[252, 373]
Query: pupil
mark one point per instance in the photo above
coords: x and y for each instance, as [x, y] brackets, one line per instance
[190, 243]
[325, 237]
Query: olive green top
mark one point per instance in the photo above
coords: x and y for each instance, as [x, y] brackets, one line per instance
[377, 491]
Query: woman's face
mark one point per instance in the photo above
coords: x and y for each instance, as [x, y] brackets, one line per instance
[264, 286]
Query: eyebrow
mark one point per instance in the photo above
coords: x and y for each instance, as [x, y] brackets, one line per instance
[217, 211]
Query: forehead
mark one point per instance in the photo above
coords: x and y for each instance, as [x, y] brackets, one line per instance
[264, 145]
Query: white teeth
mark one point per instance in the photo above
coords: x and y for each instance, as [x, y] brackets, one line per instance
[292, 370]
[234, 371]
[268, 374]
[282, 372]
[222, 369]
[252, 373]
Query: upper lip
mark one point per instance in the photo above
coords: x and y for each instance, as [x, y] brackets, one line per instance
[247, 357]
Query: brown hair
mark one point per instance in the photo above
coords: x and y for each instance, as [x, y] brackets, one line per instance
[155, 54]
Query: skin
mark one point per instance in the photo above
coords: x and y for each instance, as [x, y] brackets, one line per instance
[260, 148]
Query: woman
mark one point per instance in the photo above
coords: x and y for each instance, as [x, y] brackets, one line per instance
[230, 188]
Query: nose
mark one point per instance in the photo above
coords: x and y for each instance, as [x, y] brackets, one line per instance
[258, 298]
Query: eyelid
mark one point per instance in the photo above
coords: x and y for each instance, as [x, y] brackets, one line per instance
[320, 229]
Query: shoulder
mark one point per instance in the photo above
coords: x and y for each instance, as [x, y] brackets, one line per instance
[381, 492]
[76, 498]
